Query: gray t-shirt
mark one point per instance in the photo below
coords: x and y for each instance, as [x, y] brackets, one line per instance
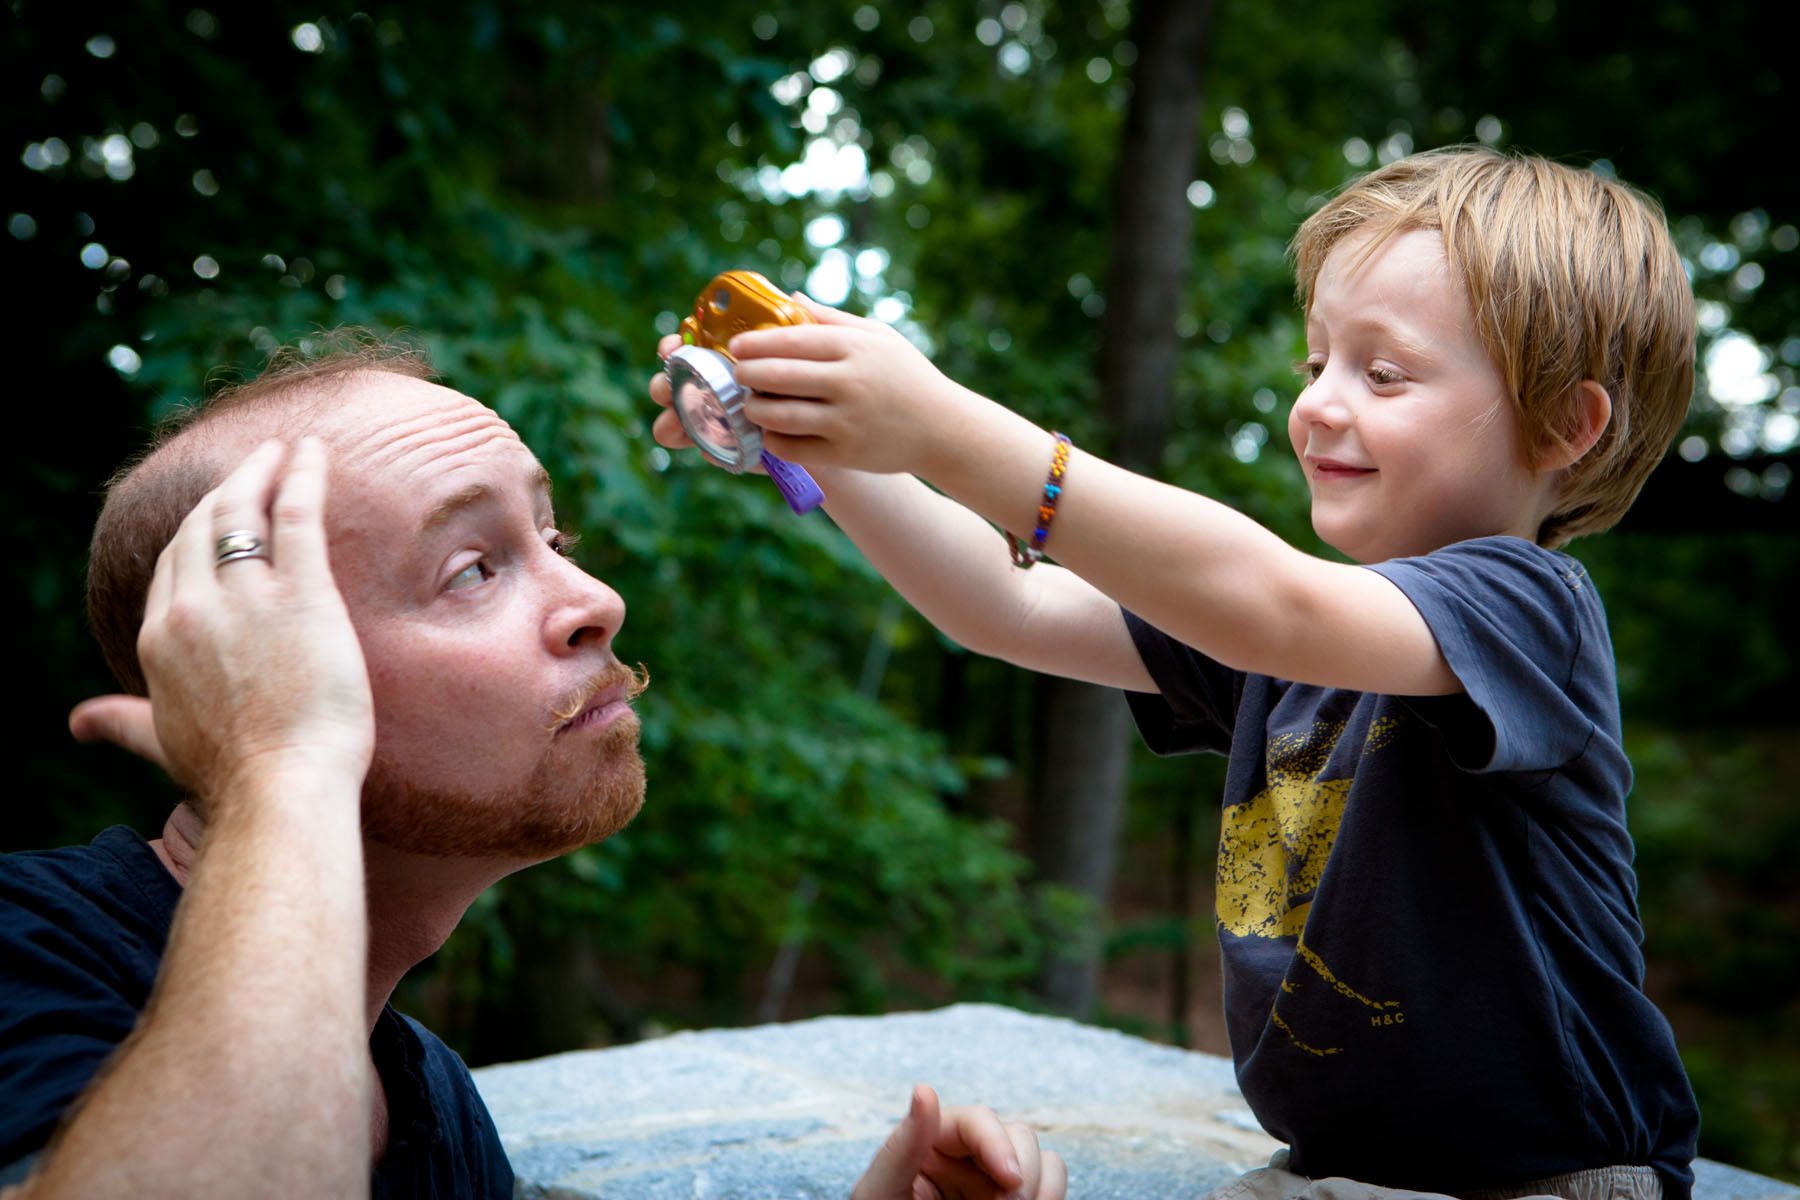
[1426, 906]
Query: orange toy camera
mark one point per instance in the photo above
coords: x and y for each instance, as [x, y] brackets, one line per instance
[734, 302]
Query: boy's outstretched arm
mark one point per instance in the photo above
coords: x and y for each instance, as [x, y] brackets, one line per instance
[1202, 572]
[953, 567]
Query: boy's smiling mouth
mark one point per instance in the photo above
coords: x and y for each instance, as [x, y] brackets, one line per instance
[1331, 468]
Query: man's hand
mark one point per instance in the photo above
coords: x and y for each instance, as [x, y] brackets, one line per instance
[964, 1154]
[248, 1071]
[253, 664]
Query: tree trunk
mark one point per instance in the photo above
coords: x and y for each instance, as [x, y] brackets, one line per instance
[1082, 755]
[1080, 793]
[1153, 226]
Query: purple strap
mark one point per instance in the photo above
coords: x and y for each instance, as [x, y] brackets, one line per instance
[803, 495]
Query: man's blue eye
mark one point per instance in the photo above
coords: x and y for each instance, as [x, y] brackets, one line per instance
[475, 572]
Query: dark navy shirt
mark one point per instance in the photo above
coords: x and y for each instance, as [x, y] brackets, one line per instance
[1426, 907]
[82, 931]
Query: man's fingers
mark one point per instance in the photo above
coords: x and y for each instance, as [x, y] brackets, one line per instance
[890, 1175]
[240, 504]
[298, 515]
[188, 558]
[162, 588]
[667, 345]
[122, 720]
[1054, 1183]
[960, 1179]
[1029, 1158]
[977, 1134]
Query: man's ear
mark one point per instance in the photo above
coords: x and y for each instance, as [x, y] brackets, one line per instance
[1586, 418]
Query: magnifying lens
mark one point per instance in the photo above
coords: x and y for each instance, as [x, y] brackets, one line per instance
[710, 404]
[709, 401]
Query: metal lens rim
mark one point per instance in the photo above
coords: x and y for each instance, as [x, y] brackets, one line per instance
[699, 367]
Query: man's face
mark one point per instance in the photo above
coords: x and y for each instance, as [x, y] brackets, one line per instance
[1406, 431]
[503, 724]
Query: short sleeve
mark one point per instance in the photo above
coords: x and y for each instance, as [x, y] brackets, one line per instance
[61, 1018]
[1195, 703]
[1523, 630]
[83, 931]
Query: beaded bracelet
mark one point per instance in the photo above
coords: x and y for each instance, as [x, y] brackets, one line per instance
[1027, 556]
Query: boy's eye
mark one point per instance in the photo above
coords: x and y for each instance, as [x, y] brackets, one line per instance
[1310, 369]
[1383, 376]
[563, 543]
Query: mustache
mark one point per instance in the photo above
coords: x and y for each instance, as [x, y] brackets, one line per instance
[633, 681]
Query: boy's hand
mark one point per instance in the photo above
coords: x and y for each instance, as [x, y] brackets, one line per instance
[966, 1154]
[847, 392]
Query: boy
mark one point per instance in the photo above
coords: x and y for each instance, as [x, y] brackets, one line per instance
[1426, 905]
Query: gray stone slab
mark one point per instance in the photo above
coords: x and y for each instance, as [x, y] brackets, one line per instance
[795, 1111]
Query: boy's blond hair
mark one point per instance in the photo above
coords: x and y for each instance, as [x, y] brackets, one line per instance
[1571, 276]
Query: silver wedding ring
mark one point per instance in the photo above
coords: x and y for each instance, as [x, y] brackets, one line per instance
[239, 543]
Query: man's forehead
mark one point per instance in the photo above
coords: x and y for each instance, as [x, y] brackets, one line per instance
[382, 421]
[405, 444]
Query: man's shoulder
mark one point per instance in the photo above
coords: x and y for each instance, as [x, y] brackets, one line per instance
[86, 925]
[434, 1055]
[450, 1085]
[83, 929]
[431, 1079]
[116, 873]
[443, 1139]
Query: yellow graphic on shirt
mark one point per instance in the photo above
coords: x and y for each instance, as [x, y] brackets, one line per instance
[1273, 849]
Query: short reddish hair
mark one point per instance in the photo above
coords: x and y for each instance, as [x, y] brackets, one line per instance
[191, 453]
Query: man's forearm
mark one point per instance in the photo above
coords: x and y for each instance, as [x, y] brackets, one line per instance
[248, 1072]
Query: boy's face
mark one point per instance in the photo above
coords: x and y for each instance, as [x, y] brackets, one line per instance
[1405, 430]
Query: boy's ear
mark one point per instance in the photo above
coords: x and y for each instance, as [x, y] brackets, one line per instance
[1588, 415]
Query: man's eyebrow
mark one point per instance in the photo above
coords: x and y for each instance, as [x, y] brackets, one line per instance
[466, 498]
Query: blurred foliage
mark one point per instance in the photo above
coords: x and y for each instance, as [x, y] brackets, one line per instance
[534, 190]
